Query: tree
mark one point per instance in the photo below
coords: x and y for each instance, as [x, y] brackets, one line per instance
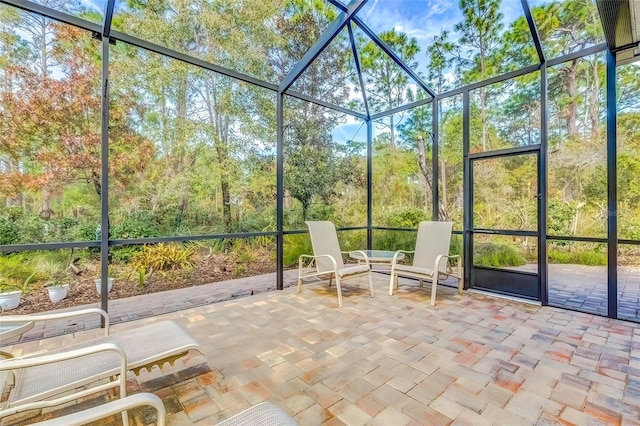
[389, 85]
[480, 29]
[314, 162]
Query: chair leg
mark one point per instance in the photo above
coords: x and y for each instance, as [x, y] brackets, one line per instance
[434, 287]
[331, 279]
[339, 290]
[459, 276]
[391, 282]
[299, 275]
[371, 285]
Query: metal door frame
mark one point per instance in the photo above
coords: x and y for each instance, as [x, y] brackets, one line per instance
[470, 230]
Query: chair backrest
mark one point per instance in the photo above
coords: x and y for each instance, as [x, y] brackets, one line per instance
[433, 240]
[324, 240]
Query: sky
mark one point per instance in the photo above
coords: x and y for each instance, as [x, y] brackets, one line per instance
[424, 19]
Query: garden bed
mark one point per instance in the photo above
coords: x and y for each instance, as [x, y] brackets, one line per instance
[207, 269]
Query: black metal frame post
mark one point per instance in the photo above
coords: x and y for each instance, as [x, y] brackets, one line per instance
[543, 185]
[612, 189]
[104, 180]
[435, 192]
[280, 191]
[369, 184]
[467, 237]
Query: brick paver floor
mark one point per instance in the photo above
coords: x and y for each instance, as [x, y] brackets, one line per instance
[393, 360]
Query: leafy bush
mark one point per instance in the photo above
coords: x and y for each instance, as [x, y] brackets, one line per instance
[394, 240]
[320, 211]
[33, 229]
[294, 246]
[352, 240]
[8, 232]
[162, 257]
[137, 225]
[490, 254]
[140, 224]
[408, 217]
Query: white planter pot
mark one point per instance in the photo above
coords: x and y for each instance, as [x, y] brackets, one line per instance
[10, 300]
[56, 294]
[98, 282]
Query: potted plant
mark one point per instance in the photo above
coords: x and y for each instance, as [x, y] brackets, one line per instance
[110, 281]
[10, 294]
[58, 287]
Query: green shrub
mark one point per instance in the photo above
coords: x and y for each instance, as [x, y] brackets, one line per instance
[163, 257]
[137, 225]
[408, 217]
[33, 229]
[294, 246]
[8, 232]
[491, 254]
[352, 240]
[123, 254]
[320, 211]
[394, 240]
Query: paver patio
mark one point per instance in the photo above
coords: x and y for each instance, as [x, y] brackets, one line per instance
[393, 360]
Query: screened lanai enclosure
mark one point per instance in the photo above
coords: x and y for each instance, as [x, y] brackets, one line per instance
[170, 143]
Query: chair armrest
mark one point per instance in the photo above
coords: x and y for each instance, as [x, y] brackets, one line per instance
[364, 255]
[58, 315]
[445, 256]
[397, 253]
[105, 410]
[37, 360]
[14, 365]
[308, 256]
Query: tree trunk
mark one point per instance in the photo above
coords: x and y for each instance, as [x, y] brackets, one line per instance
[443, 178]
[594, 103]
[425, 172]
[220, 120]
[483, 118]
[571, 86]
[45, 209]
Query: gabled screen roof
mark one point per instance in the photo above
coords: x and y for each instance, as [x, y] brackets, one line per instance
[429, 46]
[456, 46]
[240, 35]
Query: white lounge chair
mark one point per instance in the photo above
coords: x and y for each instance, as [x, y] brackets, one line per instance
[145, 346]
[327, 259]
[14, 375]
[430, 258]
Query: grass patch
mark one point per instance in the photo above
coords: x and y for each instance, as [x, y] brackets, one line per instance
[496, 255]
[590, 258]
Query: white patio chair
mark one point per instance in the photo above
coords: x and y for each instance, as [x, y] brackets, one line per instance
[144, 346]
[327, 259]
[13, 370]
[430, 258]
[58, 385]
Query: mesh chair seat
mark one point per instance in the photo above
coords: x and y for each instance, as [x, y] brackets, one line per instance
[263, 414]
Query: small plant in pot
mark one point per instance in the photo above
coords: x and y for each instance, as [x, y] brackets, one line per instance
[58, 287]
[10, 294]
[110, 281]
